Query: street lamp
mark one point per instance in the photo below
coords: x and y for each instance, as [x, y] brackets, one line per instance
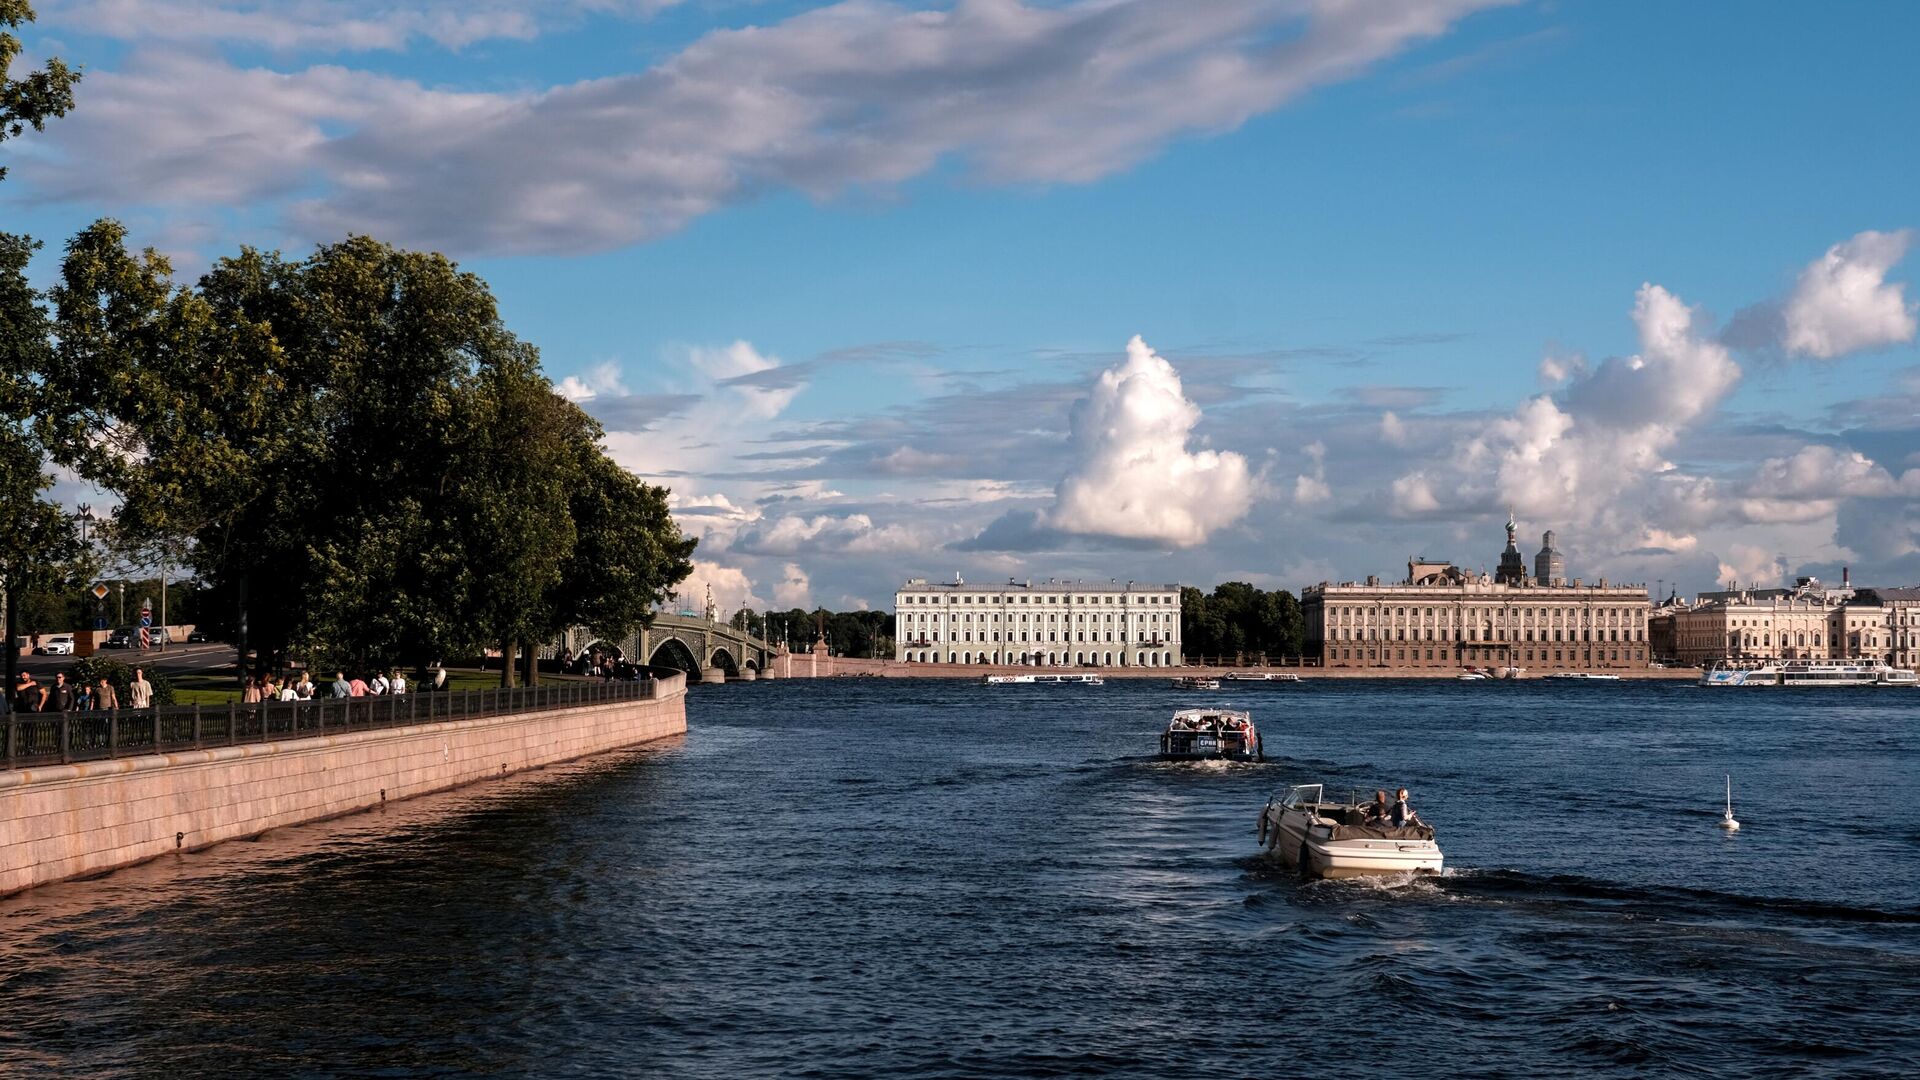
[84, 516]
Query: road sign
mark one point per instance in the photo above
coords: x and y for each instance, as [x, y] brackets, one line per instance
[146, 618]
[100, 591]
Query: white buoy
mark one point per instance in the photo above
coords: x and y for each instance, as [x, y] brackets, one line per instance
[1726, 821]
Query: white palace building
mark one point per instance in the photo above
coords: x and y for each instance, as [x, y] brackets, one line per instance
[1052, 624]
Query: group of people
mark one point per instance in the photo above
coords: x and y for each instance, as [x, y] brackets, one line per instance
[301, 687]
[1397, 814]
[32, 696]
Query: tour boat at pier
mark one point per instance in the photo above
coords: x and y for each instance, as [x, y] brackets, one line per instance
[1584, 675]
[1807, 673]
[1262, 676]
[1203, 734]
[1333, 839]
[1196, 682]
[1076, 679]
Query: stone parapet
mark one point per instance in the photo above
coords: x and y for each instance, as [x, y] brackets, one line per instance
[65, 821]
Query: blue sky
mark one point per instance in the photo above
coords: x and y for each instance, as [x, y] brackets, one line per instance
[858, 282]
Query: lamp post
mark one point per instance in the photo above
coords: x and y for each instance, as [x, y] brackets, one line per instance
[83, 514]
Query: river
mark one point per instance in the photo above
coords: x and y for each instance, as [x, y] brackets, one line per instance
[917, 878]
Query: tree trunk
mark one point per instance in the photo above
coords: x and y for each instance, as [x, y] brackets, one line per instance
[532, 665]
[506, 662]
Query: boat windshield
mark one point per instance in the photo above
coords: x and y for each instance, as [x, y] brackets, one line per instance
[1302, 795]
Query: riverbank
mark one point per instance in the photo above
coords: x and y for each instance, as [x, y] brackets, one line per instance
[851, 667]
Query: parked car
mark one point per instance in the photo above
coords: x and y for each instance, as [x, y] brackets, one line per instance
[119, 639]
[196, 637]
[157, 635]
[56, 645]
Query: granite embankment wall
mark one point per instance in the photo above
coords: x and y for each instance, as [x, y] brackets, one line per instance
[66, 821]
[821, 666]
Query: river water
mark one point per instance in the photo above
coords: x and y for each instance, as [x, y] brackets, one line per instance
[916, 878]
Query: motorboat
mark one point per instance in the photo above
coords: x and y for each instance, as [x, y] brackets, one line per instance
[1262, 676]
[1196, 682]
[1508, 672]
[1334, 839]
[1584, 676]
[1204, 734]
[1472, 676]
[1807, 673]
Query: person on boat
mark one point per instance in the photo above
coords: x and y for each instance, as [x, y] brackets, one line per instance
[1377, 813]
[1400, 814]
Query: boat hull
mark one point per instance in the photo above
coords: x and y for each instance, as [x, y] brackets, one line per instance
[1292, 840]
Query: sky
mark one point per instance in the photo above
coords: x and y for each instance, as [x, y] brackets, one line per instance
[1278, 291]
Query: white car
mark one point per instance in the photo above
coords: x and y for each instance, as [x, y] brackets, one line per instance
[56, 645]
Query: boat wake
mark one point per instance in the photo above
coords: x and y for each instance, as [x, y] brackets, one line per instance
[1674, 900]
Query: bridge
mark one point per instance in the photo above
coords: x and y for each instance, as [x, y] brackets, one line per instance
[707, 650]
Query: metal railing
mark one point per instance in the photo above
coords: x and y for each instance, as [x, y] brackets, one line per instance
[64, 738]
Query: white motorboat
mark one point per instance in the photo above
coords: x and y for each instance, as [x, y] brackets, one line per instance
[1587, 676]
[1262, 676]
[1196, 682]
[1807, 673]
[1471, 676]
[1075, 679]
[1334, 840]
[1204, 734]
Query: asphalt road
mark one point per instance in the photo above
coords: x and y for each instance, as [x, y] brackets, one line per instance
[176, 658]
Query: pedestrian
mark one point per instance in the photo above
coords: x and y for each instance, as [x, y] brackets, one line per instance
[379, 685]
[439, 678]
[60, 697]
[398, 684]
[304, 688]
[288, 693]
[139, 691]
[105, 696]
[341, 687]
[251, 695]
[27, 694]
[357, 687]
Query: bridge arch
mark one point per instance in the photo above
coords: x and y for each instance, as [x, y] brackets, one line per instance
[724, 660]
[673, 653]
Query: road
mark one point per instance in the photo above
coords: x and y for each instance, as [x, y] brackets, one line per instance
[176, 658]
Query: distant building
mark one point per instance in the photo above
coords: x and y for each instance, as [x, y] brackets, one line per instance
[1051, 624]
[1810, 621]
[1548, 567]
[1443, 616]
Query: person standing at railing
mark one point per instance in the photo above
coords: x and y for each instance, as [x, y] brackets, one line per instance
[28, 695]
[139, 691]
[379, 685]
[59, 697]
[357, 687]
[397, 684]
[105, 697]
[303, 690]
[341, 687]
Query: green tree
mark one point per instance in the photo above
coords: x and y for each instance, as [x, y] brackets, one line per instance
[32, 100]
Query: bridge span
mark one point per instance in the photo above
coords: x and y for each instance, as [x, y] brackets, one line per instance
[707, 650]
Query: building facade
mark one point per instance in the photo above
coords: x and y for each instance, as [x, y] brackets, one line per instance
[1442, 616]
[1050, 624]
[1808, 622]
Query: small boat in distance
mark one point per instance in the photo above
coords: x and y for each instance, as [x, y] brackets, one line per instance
[1807, 673]
[1196, 682]
[1726, 820]
[1472, 676]
[1078, 679]
[1335, 840]
[1262, 676]
[1205, 734]
[1584, 675]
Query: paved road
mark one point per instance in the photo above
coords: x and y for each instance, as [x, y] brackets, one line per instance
[176, 658]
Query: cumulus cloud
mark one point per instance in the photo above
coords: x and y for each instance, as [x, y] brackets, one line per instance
[1752, 567]
[1843, 302]
[732, 589]
[1134, 475]
[328, 25]
[1571, 458]
[1310, 488]
[853, 95]
[795, 589]
[849, 534]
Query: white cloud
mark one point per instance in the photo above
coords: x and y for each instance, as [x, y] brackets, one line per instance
[1134, 476]
[1392, 431]
[1311, 488]
[732, 589]
[1752, 567]
[597, 380]
[327, 25]
[1843, 302]
[794, 590]
[853, 95]
[827, 534]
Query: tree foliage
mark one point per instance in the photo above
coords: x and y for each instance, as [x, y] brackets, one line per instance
[31, 100]
[369, 466]
[1240, 619]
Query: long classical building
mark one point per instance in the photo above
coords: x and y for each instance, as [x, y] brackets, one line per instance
[1051, 624]
[1442, 616]
[1806, 622]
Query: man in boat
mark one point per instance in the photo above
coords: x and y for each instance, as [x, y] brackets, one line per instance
[1400, 815]
[1377, 813]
